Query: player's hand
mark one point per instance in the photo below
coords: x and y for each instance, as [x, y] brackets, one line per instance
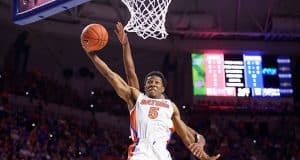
[201, 140]
[198, 150]
[205, 156]
[121, 34]
[89, 53]
[86, 50]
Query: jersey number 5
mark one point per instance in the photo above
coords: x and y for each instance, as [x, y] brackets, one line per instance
[153, 112]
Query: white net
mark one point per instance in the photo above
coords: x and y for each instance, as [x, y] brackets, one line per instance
[147, 17]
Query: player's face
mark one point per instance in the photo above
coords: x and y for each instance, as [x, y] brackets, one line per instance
[154, 87]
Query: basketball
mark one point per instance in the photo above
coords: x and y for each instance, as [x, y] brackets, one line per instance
[94, 37]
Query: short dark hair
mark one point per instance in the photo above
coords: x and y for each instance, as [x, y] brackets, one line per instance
[158, 74]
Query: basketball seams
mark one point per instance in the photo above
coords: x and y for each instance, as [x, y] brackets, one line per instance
[99, 35]
[102, 41]
[95, 31]
[96, 35]
[104, 34]
[89, 35]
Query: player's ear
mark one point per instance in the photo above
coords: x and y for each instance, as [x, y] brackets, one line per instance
[163, 89]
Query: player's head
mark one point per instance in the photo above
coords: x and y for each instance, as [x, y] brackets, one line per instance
[154, 84]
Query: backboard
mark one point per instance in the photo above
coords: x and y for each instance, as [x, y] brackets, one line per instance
[29, 11]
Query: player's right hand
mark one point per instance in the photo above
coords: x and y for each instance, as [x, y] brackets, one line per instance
[88, 52]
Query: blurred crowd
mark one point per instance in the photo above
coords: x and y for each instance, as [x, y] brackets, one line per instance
[35, 85]
[253, 137]
[40, 136]
[37, 135]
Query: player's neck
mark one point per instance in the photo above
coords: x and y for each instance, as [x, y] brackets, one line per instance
[156, 97]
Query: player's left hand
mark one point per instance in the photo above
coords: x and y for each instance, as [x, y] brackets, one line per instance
[201, 140]
[199, 145]
[198, 150]
[205, 156]
[121, 34]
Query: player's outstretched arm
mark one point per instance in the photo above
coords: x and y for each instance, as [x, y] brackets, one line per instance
[123, 90]
[127, 56]
[190, 138]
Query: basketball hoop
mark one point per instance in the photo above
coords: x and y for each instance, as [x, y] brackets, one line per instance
[147, 17]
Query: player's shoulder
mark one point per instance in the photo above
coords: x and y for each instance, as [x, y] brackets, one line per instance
[174, 107]
[133, 97]
[172, 103]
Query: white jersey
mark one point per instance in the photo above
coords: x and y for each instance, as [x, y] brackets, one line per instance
[151, 128]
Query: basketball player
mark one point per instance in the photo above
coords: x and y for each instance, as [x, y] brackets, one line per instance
[130, 69]
[152, 118]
